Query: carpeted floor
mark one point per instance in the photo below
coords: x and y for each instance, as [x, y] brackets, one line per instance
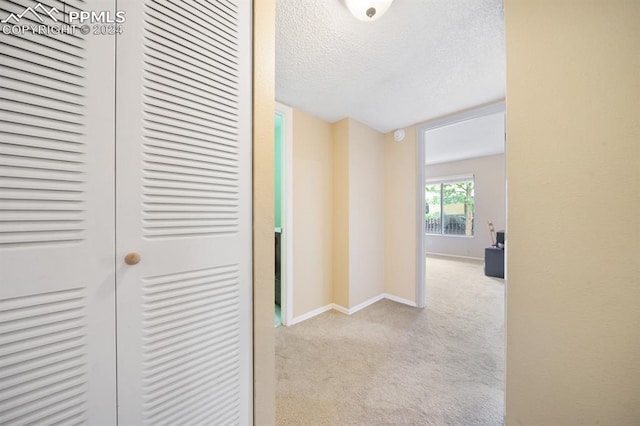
[390, 364]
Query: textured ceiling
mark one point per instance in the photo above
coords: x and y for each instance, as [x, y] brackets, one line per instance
[423, 59]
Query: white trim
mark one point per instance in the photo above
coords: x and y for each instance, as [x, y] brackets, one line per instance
[340, 309]
[455, 256]
[451, 179]
[421, 290]
[400, 300]
[286, 278]
[311, 314]
[463, 158]
[471, 237]
[353, 310]
[364, 304]
[492, 108]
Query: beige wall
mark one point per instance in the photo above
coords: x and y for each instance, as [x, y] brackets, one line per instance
[490, 188]
[573, 287]
[263, 199]
[400, 215]
[338, 199]
[366, 213]
[312, 213]
[340, 142]
[573, 172]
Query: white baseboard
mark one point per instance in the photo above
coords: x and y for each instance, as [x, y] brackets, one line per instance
[361, 306]
[311, 314]
[340, 309]
[455, 256]
[351, 311]
[400, 300]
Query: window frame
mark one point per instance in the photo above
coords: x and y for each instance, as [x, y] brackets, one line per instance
[443, 181]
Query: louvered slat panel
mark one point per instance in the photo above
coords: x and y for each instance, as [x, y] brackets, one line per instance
[41, 57]
[44, 81]
[43, 365]
[191, 343]
[56, 229]
[206, 46]
[164, 81]
[191, 98]
[42, 136]
[184, 167]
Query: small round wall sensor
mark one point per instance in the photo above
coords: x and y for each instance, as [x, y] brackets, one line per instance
[398, 135]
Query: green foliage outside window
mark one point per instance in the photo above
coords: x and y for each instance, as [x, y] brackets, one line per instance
[449, 208]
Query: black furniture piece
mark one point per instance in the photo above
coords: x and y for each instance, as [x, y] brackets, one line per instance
[278, 234]
[494, 262]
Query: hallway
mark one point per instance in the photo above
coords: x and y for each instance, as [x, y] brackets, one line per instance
[394, 364]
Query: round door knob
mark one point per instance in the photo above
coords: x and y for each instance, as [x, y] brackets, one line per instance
[132, 258]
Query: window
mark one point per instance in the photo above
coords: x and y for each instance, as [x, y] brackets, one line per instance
[449, 206]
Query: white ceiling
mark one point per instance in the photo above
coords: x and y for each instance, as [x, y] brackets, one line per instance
[422, 59]
[472, 138]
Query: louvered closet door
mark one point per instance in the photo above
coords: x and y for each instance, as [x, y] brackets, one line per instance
[183, 204]
[57, 339]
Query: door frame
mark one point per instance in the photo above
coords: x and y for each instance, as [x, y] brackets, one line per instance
[421, 262]
[286, 209]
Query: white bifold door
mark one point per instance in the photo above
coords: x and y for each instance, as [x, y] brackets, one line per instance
[137, 144]
[183, 131]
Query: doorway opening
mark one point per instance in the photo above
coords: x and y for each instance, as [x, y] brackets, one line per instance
[283, 226]
[460, 188]
[278, 219]
[464, 148]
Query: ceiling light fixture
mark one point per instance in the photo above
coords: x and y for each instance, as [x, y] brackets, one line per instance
[368, 10]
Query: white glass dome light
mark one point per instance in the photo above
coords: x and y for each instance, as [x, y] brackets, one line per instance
[368, 10]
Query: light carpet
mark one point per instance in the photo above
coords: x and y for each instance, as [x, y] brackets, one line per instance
[391, 364]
